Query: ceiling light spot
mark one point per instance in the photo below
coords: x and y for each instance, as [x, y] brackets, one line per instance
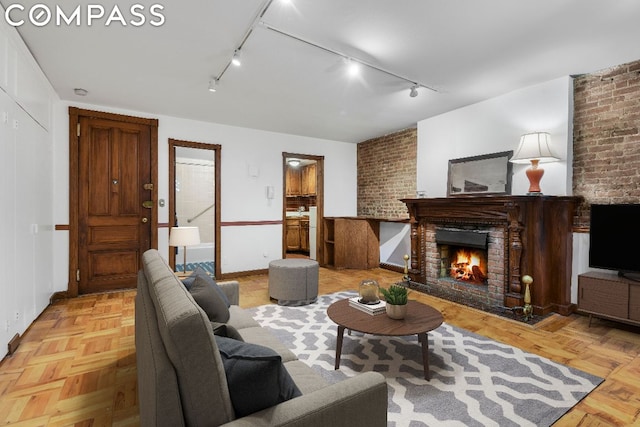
[353, 68]
[213, 85]
[414, 91]
[236, 58]
[80, 92]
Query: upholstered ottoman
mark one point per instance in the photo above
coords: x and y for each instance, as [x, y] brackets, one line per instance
[293, 281]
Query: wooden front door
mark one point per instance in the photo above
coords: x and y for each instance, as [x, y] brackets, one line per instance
[116, 199]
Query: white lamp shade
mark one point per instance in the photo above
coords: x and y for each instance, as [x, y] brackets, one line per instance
[534, 146]
[184, 236]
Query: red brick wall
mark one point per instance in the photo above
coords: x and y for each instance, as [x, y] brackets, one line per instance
[606, 137]
[386, 173]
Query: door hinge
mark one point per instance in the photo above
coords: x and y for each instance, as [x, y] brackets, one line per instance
[78, 129]
[77, 275]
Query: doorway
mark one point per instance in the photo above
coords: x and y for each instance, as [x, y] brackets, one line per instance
[112, 199]
[194, 201]
[302, 208]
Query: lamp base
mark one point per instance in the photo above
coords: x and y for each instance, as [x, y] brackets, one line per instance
[534, 173]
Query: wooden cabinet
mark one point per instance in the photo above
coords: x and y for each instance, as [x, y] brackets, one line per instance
[308, 180]
[293, 181]
[301, 181]
[298, 234]
[304, 235]
[293, 234]
[609, 296]
[351, 243]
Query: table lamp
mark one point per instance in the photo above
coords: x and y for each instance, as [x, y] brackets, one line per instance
[184, 236]
[534, 148]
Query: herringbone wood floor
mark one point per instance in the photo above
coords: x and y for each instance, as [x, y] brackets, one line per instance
[76, 364]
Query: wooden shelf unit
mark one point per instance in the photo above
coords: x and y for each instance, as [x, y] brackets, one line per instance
[609, 296]
[351, 242]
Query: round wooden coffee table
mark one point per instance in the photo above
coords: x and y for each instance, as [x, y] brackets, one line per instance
[420, 319]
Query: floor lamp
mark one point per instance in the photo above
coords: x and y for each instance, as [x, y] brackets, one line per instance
[184, 236]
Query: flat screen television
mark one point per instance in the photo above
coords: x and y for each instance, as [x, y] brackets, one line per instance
[613, 238]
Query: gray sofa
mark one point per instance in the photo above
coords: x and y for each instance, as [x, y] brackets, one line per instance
[181, 377]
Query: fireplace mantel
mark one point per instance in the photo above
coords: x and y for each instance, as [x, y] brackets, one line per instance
[538, 241]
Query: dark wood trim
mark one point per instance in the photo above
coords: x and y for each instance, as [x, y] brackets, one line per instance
[75, 111]
[57, 296]
[231, 276]
[74, 170]
[217, 149]
[392, 267]
[62, 227]
[581, 229]
[246, 223]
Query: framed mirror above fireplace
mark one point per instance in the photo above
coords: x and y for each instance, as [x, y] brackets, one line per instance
[485, 174]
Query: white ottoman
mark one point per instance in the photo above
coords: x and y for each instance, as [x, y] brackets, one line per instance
[293, 281]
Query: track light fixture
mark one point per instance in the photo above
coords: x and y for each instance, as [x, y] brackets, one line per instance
[354, 63]
[236, 58]
[213, 85]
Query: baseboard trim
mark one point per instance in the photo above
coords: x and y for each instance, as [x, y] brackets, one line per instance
[57, 296]
[13, 344]
[229, 276]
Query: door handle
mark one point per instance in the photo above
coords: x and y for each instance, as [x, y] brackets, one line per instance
[147, 204]
[144, 220]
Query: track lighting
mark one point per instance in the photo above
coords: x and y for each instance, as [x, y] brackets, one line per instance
[236, 58]
[353, 67]
[213, 85]
[353, 64]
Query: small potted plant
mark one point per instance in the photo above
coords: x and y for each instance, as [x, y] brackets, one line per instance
[396, 298]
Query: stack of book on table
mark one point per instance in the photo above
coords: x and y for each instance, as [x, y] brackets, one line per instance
[373, 309]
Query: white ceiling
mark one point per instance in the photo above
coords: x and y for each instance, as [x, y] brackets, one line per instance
[468, 50]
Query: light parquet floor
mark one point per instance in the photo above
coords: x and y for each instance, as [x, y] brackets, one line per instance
[76, 363]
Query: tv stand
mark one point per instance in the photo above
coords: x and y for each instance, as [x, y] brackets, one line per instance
[629, 276]
[609, 296]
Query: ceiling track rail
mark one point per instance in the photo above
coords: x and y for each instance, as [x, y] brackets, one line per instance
[257, 20]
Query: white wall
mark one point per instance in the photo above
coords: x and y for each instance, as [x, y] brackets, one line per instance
[26, 170]
[496, 125]
[243, 198]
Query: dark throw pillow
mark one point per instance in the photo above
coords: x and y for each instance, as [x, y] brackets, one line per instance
[209, 300]
[201, 272]
[256, 377]
[225, 330]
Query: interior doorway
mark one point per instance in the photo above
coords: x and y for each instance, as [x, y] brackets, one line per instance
[302, 207]
[194, 201]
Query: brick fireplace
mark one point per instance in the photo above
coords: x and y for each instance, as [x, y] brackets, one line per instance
[516, 235]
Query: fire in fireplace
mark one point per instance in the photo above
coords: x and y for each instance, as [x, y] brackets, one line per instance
[463, 255]
[468, 264]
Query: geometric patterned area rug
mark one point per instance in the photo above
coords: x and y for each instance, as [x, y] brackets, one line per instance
[475, 381]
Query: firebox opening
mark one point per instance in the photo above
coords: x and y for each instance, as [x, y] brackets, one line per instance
[463, 255]
[464, 264]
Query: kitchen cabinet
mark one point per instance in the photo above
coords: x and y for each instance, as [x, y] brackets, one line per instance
[293, 181]
[301, 181]
[293, 234]
[304, 235]
[298, 234]
[308, 180]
